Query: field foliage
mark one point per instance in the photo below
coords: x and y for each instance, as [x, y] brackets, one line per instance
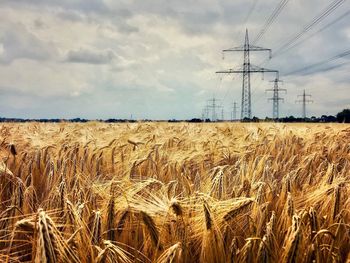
[158, 192]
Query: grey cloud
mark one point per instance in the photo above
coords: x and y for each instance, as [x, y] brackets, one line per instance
[87, 6]
[72, 16]
[150, 45]
[39, 24]
[91, 56]
[17, 42]
[126, 28]
[73, 10]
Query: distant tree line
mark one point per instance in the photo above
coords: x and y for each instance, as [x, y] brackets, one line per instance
[342, 117]
[63, 120]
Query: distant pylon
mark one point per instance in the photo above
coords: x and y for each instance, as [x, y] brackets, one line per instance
[205, 113]
[234, 112]
[304, 101]
[213, 106]
[247, 68]
[276, 98]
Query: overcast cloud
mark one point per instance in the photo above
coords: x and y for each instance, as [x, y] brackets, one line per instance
[157, 59]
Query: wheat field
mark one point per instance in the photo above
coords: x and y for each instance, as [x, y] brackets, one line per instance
[159, 192]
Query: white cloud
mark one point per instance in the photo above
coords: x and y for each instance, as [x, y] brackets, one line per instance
[2, 49]
[153, 58]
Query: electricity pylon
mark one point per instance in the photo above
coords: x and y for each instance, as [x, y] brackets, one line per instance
[246, 70]
[205, 113]
[213, 106]
[234, 112]
[276, 98]
[304, 101]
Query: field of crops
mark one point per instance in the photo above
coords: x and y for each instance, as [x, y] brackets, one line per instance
[159, 192]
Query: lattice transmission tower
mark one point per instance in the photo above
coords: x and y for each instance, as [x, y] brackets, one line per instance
[304, 100]
[234, 111]
[276, 98]
[213, 106]
[246, 70]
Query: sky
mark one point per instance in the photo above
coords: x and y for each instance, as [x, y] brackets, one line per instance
[153, 59]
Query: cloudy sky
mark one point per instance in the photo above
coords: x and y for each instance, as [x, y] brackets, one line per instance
[157, 59]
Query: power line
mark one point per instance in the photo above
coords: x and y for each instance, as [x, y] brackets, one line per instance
[315, 65]
[270, 20]
[252, 8]
[305, 39]
[316, 20]
[239, 34]
[227, 91]
[296, 39]
[245, 20]
[315, 33]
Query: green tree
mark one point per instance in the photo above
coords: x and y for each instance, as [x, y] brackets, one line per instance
[344, 116]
